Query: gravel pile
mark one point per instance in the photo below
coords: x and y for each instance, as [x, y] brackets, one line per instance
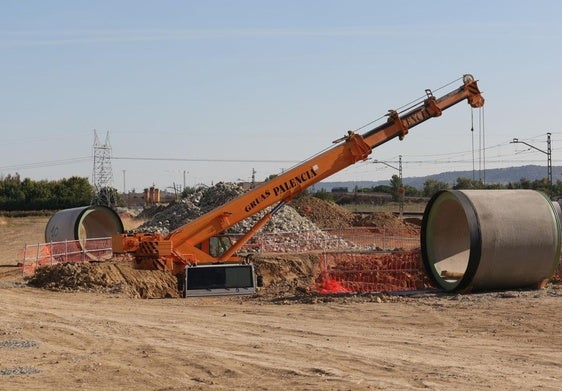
[208, 198]
[203, 200]
[298, 227]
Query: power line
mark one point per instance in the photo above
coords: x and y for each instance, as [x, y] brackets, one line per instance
[204, 160]
[51, 163]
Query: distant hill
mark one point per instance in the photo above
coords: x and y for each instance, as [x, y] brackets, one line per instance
[493, 175]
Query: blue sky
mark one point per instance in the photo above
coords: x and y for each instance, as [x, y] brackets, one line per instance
[219, 82]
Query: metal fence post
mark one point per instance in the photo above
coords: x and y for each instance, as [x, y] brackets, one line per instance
[37, 257]
[24, 259]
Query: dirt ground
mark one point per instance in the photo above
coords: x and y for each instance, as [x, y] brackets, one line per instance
[109, 340]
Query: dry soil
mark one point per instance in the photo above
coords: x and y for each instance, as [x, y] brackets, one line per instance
[110, 341]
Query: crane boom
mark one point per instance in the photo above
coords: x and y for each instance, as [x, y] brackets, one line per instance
[189, 244]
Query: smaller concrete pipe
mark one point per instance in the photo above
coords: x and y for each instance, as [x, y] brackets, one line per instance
[490, 239]
[82, 223]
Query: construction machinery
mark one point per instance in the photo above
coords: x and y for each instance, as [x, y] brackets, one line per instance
[205, 260]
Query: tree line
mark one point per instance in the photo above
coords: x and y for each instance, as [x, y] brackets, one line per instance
[29, 195]
[432, 186]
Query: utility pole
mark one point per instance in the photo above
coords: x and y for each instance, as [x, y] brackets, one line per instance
[548, 154]
[401, 190]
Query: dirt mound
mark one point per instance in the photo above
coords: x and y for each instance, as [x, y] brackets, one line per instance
[325, 214]
[385, 221]
[283, 275]
[106, 277]
[329, 215]
[287, 274]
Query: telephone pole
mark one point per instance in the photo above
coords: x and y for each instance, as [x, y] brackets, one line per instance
[401, 189]
[548, 154]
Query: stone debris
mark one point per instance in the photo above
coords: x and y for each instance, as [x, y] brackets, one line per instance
[287, 231]
[202, 200]
[18, 344]
[205, 199]
[299, 226]
[18, 371]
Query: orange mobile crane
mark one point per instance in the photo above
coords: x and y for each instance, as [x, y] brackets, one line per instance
[204, 260]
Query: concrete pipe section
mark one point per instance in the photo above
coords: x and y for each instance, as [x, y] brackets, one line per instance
[490, 239]
[83, 223]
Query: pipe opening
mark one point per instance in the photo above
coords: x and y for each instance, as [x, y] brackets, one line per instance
[448, 241]
[98, 223]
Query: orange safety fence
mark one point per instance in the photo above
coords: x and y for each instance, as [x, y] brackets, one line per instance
[373, 272]
[352, 260]
[358, 259]
[33, 256]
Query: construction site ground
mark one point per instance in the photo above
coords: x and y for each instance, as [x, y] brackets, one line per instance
[283, 338]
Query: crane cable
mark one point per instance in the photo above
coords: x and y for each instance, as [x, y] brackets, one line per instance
[472, 137]
[409, 105]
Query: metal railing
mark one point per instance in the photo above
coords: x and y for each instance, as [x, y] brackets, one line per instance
[48, 254]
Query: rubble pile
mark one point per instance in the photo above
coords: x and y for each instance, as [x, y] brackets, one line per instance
[299, 242]
[285, 220]
[150, 212]
[297, 227]
[206, 199]
[203, 200]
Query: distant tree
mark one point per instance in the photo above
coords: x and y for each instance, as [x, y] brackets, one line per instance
[16, 194]
[73, 191]
[411, 191]
[11, 192]
[544, 186]
[467, 184]
[323, 194]
[557, 188]
[396, 187]
[494, 186]
[524, 184]
[382, 189]
[432, 186]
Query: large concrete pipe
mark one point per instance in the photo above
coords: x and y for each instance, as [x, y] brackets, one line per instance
[490, 239]
[82, 223]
